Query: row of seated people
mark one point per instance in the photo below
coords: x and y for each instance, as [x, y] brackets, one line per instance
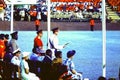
[75, 6]
[115, 4]
[73, 0]
[41, 64]
[75, 15]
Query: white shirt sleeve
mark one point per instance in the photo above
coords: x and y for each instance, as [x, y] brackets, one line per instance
[56, 43]
[15, 61]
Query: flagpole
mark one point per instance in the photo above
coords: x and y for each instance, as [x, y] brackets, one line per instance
[104, 37]
[48, 23]
[11, 22]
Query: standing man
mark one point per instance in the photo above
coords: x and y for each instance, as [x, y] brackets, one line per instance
[37, 24]
[54, 42]
[38, 44]
[13, 42]
[92, 23]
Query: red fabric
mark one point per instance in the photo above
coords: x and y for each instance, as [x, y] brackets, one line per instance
[92, 22]
[34, 13]
[38, 42]
[2, 48]
[37, 22]
[31, 13]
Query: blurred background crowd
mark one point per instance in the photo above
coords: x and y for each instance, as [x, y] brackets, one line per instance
[62, 10]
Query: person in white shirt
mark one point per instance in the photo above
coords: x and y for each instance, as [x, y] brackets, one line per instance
[71, 67]
[16, 58]
[54, 42]
[13, 42]
[24, 68]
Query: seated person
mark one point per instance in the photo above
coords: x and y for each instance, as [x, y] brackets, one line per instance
[16, 60]
[58, 57]
[48, 56]
[70, 65]
[36, 56]
[24, 67]
[46, 66]
[8, 55]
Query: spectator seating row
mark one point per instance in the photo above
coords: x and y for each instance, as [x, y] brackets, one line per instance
[75, 15]
[45, 71]
[115, 4]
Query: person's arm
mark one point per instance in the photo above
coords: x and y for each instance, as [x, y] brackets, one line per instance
[14, 45]
[56, 44]
[26, 67]
[72, 68]
[26, 71]
[19, 72]
[73, 71]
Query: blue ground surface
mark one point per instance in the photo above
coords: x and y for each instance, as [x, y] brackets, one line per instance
[88, 46]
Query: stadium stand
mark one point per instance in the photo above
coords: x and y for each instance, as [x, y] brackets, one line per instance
[113, 9]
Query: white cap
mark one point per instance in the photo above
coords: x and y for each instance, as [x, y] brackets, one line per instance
[17, 50]
[24, 54]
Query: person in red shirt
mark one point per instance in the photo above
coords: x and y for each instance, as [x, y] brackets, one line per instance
[38, 44]
[92, 23]
[37, 24]
[2, 47]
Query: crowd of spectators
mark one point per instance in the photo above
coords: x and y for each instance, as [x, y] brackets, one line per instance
[81, 10]
[115, 4]
[76, 9]
[28, 12]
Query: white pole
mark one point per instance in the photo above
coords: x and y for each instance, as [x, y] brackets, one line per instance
[104, 37]
[48, 22]
[11, 24]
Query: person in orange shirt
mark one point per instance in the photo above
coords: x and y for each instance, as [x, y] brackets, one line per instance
[92, 23]
[37, 24]
[2, 47]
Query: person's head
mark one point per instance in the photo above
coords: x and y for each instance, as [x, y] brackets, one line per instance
[58, 54]
[2, 36]
[6, 36]
[17, 52]
[40, 33]
[55, 30]
[71, 53]
[101, 78]
[14, 35]
[25, 55]
[49, 52]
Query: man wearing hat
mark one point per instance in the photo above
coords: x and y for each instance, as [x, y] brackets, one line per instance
[54, 42]
[16, 58]
[13, 41]
[70, 65]
[38, 44]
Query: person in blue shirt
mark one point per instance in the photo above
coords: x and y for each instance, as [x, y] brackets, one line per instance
[71, 67]
[36, 55]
